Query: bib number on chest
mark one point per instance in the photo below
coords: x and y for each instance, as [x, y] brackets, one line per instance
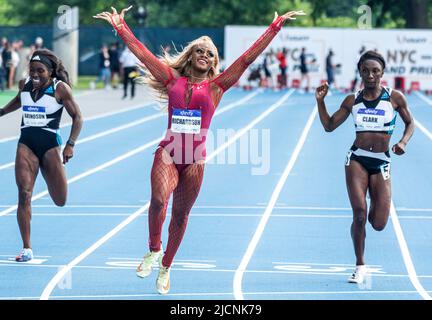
[34, 116]
[371, 118]
[186, 121]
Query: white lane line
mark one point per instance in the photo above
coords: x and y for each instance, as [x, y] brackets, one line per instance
[423, 129]
[123, 157]
[91, 171]
[7, 165]
[219, 215]
[210, 215]
[253, 123]
[425, 99]
[399, 209]
[417, 123]
[262, 272]
[238, 277]
[99, 116]
[406, 255]
[103, 134]
[143, 120]
[59, 276]
[217, 294]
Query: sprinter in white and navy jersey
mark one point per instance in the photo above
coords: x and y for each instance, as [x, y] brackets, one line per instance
[367, 166]
[42, 97]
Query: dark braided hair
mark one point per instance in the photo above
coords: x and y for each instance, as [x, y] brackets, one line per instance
[371, 55]
[58, 70]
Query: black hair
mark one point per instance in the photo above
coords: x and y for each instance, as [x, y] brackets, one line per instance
[58, 70]
[371, 55]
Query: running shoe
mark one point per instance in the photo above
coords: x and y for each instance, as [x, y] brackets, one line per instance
[359, 274]
[145, 267]
[163, 279]
[25, 255]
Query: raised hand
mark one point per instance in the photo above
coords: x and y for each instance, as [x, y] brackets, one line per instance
[290, 15]
[321, 92]
[113, 18]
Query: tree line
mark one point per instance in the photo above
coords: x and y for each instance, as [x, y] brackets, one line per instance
[217, 14]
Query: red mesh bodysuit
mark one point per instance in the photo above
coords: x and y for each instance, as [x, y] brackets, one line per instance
[183, 176]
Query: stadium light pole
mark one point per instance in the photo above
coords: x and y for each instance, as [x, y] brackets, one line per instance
[141, 16]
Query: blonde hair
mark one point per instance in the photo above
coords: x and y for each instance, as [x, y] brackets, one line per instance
[180, 62]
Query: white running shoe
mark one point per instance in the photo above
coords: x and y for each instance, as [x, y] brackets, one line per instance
[359, 274]
[163, 279]
[145, 267]
[25, 255]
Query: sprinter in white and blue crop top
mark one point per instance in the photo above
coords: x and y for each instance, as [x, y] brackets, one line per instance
[367, 166]
[42, 97]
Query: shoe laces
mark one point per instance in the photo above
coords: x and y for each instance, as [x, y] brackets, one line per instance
[164, 273]
[150, 257]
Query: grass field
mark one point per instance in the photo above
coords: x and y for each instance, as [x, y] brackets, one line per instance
[6, 96]
[83, 84]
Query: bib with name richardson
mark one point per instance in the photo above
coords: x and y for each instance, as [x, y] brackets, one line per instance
[34, 116]
[186, 121]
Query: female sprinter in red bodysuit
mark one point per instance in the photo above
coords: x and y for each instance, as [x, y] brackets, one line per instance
[193, 86]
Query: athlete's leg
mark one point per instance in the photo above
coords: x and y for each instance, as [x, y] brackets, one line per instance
[55, 176]
[164, 179]
[357, 181]
[380, 194]
[132, 87]
[26, 170]
[184, 197]
[125, 81]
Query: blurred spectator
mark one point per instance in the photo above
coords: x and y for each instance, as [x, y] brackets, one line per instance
[15, 59]
[130, 71]
[2, 69]
[8, 64]
[330, 68]
[304, 69]
[104, 67]
[38, 43]
[114, 64]
[356, 72]
[281, 56]
[268, 81]
[2, 75]
[32, 49]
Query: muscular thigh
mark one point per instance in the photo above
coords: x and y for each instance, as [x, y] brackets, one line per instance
[380, 192]
[357, 180]
[26, 167]
[189, 185]
[164, 175]
[52, 169]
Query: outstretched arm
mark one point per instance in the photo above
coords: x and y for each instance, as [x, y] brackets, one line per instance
[15, 103]
[330, 123]
[158, 69]
[233, 73]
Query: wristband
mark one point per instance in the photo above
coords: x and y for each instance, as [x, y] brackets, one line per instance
[70, 142]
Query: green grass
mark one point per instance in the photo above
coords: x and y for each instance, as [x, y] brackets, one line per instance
[6, 96]
[84, 83]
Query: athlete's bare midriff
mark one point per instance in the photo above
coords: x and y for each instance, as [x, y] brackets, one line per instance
[373, 141]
